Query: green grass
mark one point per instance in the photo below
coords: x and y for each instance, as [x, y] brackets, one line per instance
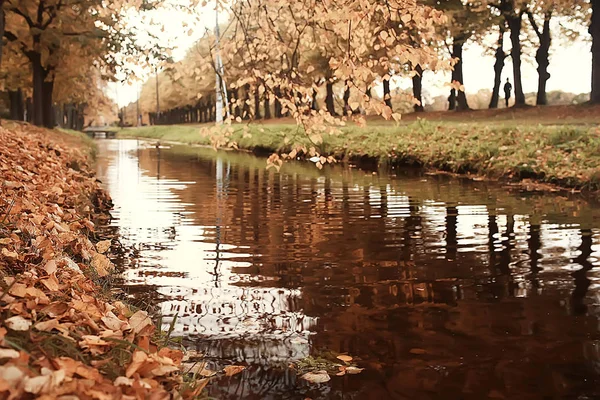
[564, 155]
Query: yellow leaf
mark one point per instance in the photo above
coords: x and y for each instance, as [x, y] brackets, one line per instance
[344, 358]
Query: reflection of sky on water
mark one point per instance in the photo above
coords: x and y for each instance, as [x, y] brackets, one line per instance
[200, 287]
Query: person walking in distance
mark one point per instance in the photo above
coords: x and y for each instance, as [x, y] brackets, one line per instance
[507, 91]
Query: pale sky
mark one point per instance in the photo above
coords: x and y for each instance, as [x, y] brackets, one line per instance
[570, 63]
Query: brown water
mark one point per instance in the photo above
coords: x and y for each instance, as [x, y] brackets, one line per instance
[443, 289]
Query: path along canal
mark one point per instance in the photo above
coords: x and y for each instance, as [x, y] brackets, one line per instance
[441, 288]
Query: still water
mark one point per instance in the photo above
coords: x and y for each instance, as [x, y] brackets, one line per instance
[441, 288]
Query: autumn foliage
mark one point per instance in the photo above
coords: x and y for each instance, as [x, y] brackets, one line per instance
[60, 333]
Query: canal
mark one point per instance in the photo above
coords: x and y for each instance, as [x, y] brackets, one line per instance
[440, 288]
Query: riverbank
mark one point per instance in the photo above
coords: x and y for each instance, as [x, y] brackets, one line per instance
[62, 333]
[563, 155]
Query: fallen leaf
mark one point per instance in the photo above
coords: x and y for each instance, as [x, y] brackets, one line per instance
[344, 358]
[139, 321]
[18, 290]
[51, 283]
[139, 357]
[417, 351]
[354, 370]
[316, 377]
[103, 246]
[9, 254]
[9, 353]
[231, 370]
[123, 381]
[55, 309]
[36, 384]
[112, 322]
[101, 264]
[11, 375]
[173, 354]
[50, 267]
[74, 367]
[164, 370]
[47, 326]
[17, 323]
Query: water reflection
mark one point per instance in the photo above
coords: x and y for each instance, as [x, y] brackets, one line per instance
[444, 289]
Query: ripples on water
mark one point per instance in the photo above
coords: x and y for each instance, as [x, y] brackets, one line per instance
[443, 289]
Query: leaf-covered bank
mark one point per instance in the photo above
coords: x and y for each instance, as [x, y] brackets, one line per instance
[562, 155]
[61, 333]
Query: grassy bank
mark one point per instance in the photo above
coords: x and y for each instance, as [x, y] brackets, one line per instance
[563, 155]
[62, 334]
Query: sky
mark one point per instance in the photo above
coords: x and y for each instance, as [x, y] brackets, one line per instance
[570, 63]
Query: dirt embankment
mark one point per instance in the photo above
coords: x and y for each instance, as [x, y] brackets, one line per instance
[61, 333]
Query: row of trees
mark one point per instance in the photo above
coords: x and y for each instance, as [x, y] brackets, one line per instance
[56, 56]
[280, 57]
[287, 58]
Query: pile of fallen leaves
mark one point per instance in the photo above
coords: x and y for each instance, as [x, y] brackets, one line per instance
[61, 335]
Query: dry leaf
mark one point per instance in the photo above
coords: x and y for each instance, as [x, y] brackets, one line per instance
[103, 246]
[140, 321]
[344, 358]
[316, 377]
[101, 264]
[139, 357]
[173, 354]
[8, 353]
[231, 370]
[9, 254]
[354, 370]
[17, 323]
[36, 384]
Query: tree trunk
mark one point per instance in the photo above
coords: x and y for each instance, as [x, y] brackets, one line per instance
[277, 103]
[37, 117]
[542, 55]
[313, 104]
[595, 33]
[234, 102]
[418, 88]
[514, 23]
[347, 109]
[329, 101]
[48, 89]
[2, 26]
[267, 106]
[387, 95]
[457, 74]
[80, 116]
[498, 67]
[257, 103]
[17, 110]
[246, 105]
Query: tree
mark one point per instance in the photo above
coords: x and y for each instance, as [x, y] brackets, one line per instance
[500, 57]
[43, 29]
[512, 11]
[2, 26]
[595, 33]
[465, 21]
